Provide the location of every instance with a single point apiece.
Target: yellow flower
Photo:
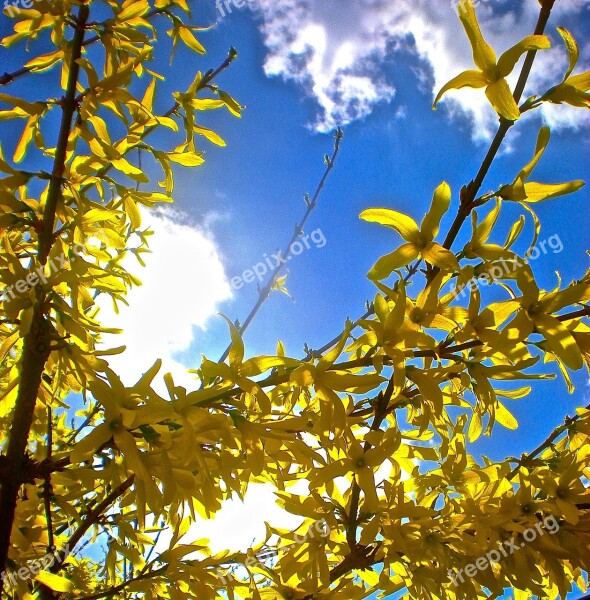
(565, 492)
(536, 314)
(419, 239)
(362, 464)
(574, 89)
(519, 190)
(121, 414)
(492, 72)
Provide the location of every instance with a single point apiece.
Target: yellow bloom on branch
(574, 89)
(536, 315)
(523, 190)
(491, 72)
(419, 239)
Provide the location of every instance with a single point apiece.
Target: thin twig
(48, 490)
(265, 291)
(526, 459)
(89, 520)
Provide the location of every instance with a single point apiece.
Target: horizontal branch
(118, 588)
(8, 78)
(526, 459)
(90, 520)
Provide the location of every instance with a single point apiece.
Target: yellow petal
(440, 204)
(484, 229)
(189, 39)
(560, 340)
(543, 138)
(536, 192)
(571, 295)
(517, 330)
(483, 54)
(475, 427)
(501, 99)
(569, 511)
(236, 353)
(395, 319)
(386, 264)
(342, 381)
(55, 582)
(440, 257)
(580, 82)
(508, 60)
(473, 79)
(570, 94)
(87, 446)
(126, 444)
(366, 482)
(527, 284)
(404, 225)
(505, 417)
(572, 49)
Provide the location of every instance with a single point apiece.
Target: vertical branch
(381, 403)
(37, 342)
(47, 487)
(469, 192)
(54, 193)
(45, 593)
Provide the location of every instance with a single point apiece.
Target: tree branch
(90, 520)
(112, 591)
(37, 342)
(264, 293)
(526, 459)
(8, 78)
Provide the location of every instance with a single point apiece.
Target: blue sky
(373, 67)
(393, 157)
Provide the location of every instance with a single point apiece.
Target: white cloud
(183, 283)
(337, 51)
(239, 525)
